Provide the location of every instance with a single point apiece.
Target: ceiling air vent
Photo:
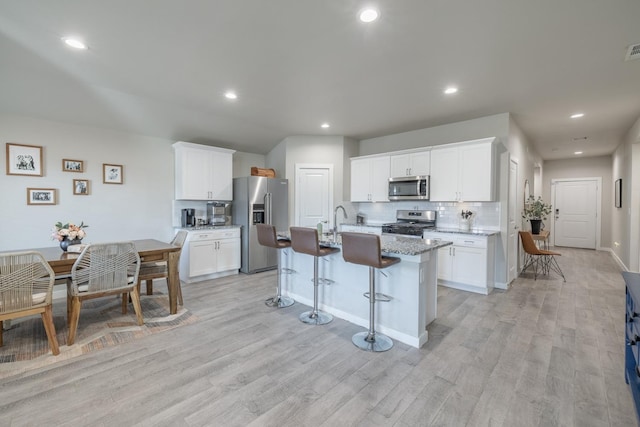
(633, 52)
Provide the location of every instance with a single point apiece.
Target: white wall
(140, 208)
(243, 162)
(484, 127)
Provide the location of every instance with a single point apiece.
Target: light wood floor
(544, 353)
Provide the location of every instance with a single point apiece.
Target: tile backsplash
(486, 215)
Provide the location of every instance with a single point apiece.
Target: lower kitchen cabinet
(209, 254)
(632, 337)
(468, 263)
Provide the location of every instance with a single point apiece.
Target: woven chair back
(26, 281)
(105, 267)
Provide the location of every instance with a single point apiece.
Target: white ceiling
(161, 67)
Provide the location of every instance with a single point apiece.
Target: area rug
(101, 325)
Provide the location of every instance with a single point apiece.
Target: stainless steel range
(411, 223)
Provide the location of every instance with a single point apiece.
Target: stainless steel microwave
(409, 188)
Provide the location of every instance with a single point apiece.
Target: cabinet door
(444, 263)
(476, 172)
(192, 174)
(444, 175)
(202, 258)
(228, 252)
(360, 180)
(399, 165)
(470, 266)
(420, 163)
(379, 179)
(221, 176)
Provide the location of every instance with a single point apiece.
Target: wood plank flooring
(544, 353)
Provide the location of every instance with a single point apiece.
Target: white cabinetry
(210, 253)
(468, 263)
(368, 229)
(370, 179)
(463, 172)
(410, 164)
(203, 172)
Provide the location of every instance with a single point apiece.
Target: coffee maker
(188, 217)
(218, 213)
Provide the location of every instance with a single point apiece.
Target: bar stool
(364, 249)
(267, 237)
(305, 240)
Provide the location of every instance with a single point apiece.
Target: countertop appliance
(218, 213)
(411, 223)
(409, 188)
(259, 200)
(188, 218)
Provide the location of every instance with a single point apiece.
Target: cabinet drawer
(465, 240)
(195, 236)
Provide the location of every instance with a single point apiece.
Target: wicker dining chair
(102, 269)
(159, 270)
(541, 260)
(26, 288)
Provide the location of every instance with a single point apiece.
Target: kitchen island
(412, 285)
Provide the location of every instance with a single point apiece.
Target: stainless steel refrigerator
(259, 200)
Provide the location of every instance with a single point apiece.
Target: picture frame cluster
(27, 160)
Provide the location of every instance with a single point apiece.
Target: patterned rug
(101, 325)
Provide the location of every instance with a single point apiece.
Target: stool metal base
(379, 343)
(279, 302)
(319, 318)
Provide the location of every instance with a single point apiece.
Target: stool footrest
(378, 297)
(323, 281)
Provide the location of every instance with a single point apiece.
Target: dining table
(149, 250)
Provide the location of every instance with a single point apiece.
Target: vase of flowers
(69, 234)
(536, 210)
(465, 220)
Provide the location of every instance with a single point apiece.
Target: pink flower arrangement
(69, 231)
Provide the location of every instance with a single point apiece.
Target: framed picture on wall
(81, 187)
(41, 196)
(69, 165)
(112, 174)
(618, 193)
(24, 159)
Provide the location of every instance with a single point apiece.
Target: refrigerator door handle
(267, 208)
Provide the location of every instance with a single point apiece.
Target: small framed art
(112, 174)
(41, 196)
(81, 187)
(69, 165)
(24, 159)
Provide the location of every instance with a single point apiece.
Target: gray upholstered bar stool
(267, 237)
(305, 240)
(364, 249)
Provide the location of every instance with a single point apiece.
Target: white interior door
(575, 209)
(513, 203)
(314, 195)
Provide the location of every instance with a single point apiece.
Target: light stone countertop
(389, 244)
(208, 227)
(472, 232)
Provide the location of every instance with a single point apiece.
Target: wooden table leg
(172, 281)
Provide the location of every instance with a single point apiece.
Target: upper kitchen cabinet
(463, 172)
(370, 179)
(410, 164)
(203, 172)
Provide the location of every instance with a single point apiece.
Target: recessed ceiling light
(577, 115)
(325, 125)
(230, 95)
(368, 15)
(75, 43)
(451, 90)
(577, 152)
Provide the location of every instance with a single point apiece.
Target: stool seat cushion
(267, 237)
(364, 249)
(305, 240)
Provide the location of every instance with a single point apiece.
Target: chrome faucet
(335, 220)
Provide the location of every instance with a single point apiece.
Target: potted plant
(536, 210)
